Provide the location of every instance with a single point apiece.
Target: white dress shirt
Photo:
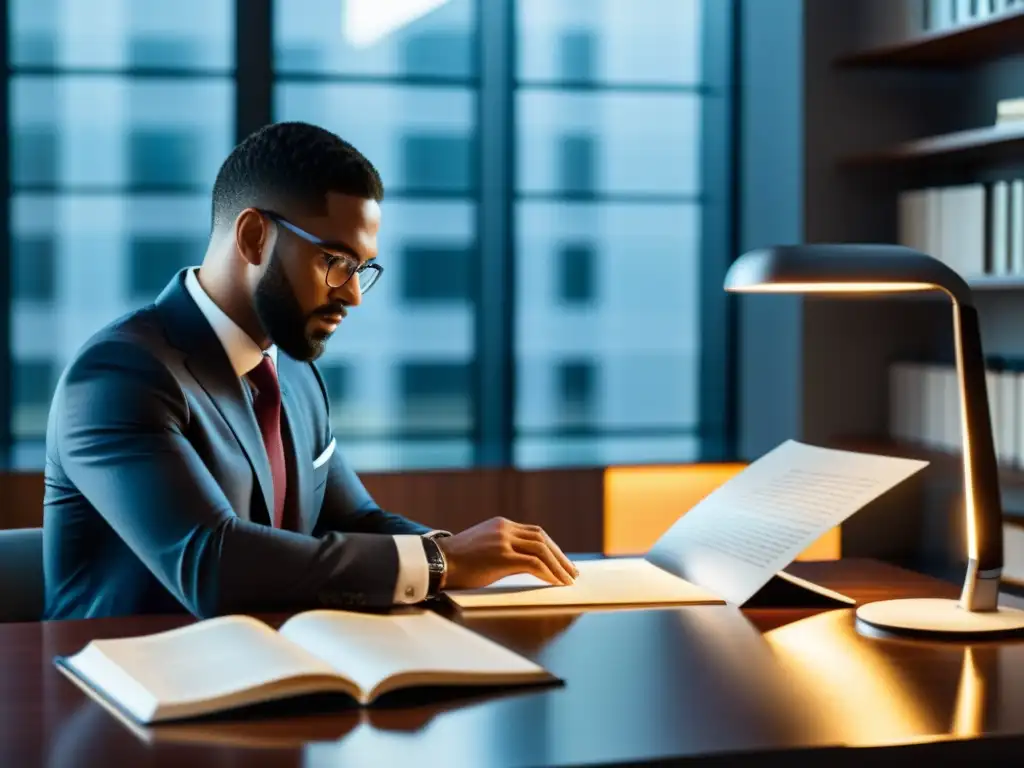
(245, 354)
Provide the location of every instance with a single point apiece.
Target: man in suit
(190, 461)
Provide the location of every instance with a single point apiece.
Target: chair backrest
(21, 575)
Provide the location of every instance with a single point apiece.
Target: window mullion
(495, 369)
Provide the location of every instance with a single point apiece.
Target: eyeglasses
(340, 267)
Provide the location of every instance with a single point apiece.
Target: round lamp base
(934, 617)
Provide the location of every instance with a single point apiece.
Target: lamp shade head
(844, 268)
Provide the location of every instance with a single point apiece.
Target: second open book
(729, 548)
(234, 661)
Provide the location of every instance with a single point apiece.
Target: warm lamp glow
(835, 287)
(865, 694)
(968, 447)
(969, 714)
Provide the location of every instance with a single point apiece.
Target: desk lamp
(855, 270)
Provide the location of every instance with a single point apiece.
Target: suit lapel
(233, 403)
(300, 467)
(208, 362)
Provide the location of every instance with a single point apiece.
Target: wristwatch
(437, 566)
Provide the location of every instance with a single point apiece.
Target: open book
(235, 661)
(729, 548)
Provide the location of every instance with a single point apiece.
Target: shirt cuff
(413, 572)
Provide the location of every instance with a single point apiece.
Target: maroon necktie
(267, 404)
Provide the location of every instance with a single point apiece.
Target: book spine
(1013, 552)
(940, 14)
(924, 407)
(975, 229)
(1009, 416)
(1016, 225)
(999, 232)
(1017, 375)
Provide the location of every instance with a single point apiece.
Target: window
(32, 381)
(609, 360)
(555, 226)
(164, 158)
(111, 169)
(160, 49)
(436, 274)
(338, 379)
(576, 274)
(33, 268)
(407, 101)
(324, 37)
(114, 34)
(31, 387)
(436, 162)
(155, 260)
(439, 52)
(34, 160)
(577, 54)
(576, 396)
(576, 163)
(435, 395)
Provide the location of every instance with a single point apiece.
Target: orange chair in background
(641, 503)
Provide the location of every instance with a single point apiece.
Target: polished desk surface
(666, 685)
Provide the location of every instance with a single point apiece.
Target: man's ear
(254, 236)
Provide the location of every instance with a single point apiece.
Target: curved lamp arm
(858, 269)
(983, 505)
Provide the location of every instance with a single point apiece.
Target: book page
(616, 581)
(757, 522)
(198, 663)
(371, 648)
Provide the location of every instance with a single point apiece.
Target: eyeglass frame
(329, 249)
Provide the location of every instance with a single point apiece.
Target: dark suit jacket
(158, 485)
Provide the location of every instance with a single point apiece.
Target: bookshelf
(884, 120)
(985, 163)
(967, 44)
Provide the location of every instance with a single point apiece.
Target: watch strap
(436, 566)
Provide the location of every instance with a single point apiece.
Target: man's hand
(496, 548)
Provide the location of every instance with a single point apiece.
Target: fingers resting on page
(499, 547)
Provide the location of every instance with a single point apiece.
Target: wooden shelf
(983, 40)
(992, 142)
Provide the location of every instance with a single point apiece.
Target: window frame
(493, 281)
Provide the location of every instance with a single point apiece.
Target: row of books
(924, 407)
(925, 410)
(977, 229)
(944, 14)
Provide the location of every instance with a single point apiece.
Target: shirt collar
(244, 353)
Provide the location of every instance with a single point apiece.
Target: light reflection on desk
(697, 681)
(665, 677)
(874, 690)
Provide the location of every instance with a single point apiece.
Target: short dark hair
(291, 164)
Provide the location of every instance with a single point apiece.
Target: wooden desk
(641, 686)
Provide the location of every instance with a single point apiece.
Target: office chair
(21, 574)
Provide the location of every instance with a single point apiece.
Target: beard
(283, 319)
